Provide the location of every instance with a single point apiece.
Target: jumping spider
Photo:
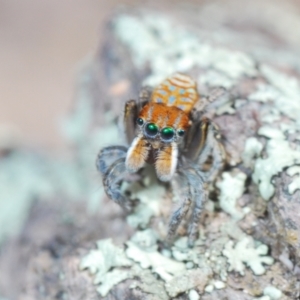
(165, 128)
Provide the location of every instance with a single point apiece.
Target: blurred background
(42, 45)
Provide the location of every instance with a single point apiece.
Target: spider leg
(144, 95)
(127, 120)
(204, 142)
(218, 154)
(197, 141)
(200, 192)
(130, 114)
(191, 184)
(183, 188)
(109, 155)
(112, 182)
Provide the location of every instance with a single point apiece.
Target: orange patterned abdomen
(179, 90)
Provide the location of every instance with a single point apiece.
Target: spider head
(161, 124)
(160, 128)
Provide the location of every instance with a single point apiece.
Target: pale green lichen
(284, 92)
(219, 284)
(253, 148)
(107, 264)
(263, 298)
(226, 109)
(209, 288)
(233, 231)
(150, 194)
(178, 50)
(280, 155)
(142, 248)
(150, 284)
(231, 189)
(193, 295)
(110, 279)
(165, 267)
(181, 251)
(271, 133)
(245, 253)
(190, 279)
(264, 93)
(146, 239)
(273, 292)
(288, 98)
(215, 79)
(100, 261)
(105, 257)
(271, 115)
(295, 184)
(110, 266)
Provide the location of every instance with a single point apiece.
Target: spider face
(163, 132)
(159, 122)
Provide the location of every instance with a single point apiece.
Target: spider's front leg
(112, 180)
(111, 164)
(191, 185)
(108, 156)
(199, 187)
(111, 160)
(179, 185)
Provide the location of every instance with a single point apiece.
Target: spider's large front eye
(151, 130)
(167, 133)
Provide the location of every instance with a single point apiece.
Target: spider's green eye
(167, 133)
(140, 121)
(181, 132)
(151, 130)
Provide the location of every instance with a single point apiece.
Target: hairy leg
(130, 114)
(197, 139)
(112, 180)
(180, 185)
(127, 120)
(203, 143)
(144, 95)
(200, 193)
(109, 155)
(218, 154)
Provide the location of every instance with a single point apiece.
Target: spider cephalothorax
(162, 130)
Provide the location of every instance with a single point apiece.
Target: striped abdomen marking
(178, 90)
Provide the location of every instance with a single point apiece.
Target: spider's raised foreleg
(218, 155)
(112, 180)
(199, 189)
(180, 185)
(107, 156)
(190, 184)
